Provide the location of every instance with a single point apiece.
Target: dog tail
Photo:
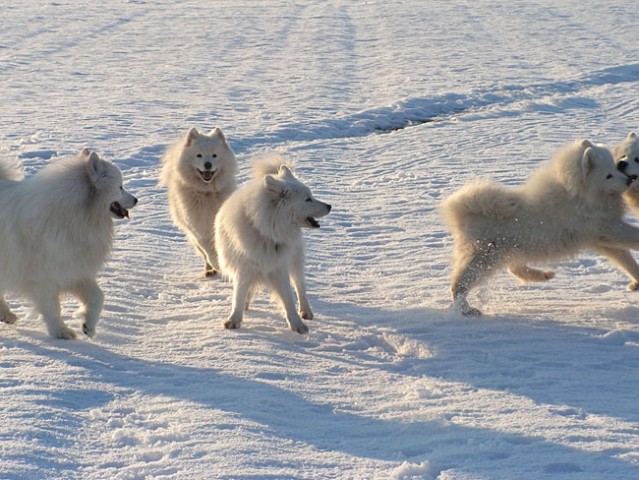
(268, 165)
(484, 198)
(10, 171)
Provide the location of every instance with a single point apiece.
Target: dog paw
(306, 314)
(9, 317)
(471, 312)
(66, 333)
(210, 273)
(89, 332)
(300, 328)
(231, 325)
(633, 286)
(549, 275)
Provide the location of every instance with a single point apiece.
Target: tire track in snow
(418, 111)
(56, 46)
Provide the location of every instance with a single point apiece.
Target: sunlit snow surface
(386, 107)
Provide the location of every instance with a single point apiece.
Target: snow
(386, 108)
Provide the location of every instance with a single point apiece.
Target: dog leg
(209, 269)
(620, 236)
(92, 299)
(469, 272)
(527, 274)
(297, 277)
(623, 260)
(241, 289)
(6, 315)
(280, 285)
(47, 302)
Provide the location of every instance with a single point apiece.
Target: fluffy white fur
(570, 203)
(199, 173)
(56, 232)
(258, 234)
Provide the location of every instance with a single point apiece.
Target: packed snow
(385, 107)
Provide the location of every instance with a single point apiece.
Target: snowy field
(386, 107)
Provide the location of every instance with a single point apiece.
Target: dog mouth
(312, 222)
(206, 175)
(119, 211)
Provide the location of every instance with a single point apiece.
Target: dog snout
(329, 207)
(208, 165)
(622, 166)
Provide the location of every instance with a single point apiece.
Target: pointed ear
(94, 167)
(192, 135)
(217, 133)
(585, 144)
(284, 172)
(632, 136)
(275, 186)
(587, 162)
(85, 152)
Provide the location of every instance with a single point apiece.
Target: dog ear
(275, 186)
(217, 133)
(632, 136)
(85, 152)
(585, 144)
(95, 167)
(285, 172)
(587, 162)
(192, 135)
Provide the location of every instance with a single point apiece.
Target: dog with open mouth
(56, 232)
(199, 172)
(258, 234)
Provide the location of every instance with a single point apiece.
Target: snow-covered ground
(386, 107)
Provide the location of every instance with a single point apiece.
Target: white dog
(199, 173)
(56, 232)
(258, 233)
(571, 203)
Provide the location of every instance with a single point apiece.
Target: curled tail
(485, 198)
(268, 165)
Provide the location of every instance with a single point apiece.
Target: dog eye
(636, 159)
(309, 199)
(609, 176)
(199, 155)
(214, 155)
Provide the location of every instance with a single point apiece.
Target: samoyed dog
(56, 232)
(572, 202)
(258, 234)
(199, 173)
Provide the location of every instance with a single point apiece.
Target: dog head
(106, 183)
(626, 156)
(206, 156)
(294, 199)
(599, 172)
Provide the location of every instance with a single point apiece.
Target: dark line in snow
(418, 111)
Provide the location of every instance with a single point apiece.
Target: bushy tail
(268, 165)
(10, 171)
(485, 198)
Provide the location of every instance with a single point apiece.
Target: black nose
(208, 165)
(622, 166)
(329, 207)
(135, 201)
